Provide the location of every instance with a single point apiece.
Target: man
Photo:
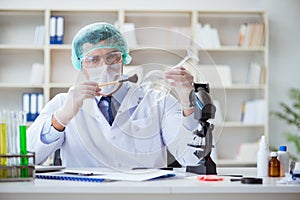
(118, 125)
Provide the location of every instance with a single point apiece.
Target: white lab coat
(145, 125)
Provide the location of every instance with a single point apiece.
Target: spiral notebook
(68, 177)
(96, 176)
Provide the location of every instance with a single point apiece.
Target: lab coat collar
(132, 98)
(120, 94)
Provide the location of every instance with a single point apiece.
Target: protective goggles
(108, 59)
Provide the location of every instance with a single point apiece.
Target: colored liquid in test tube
(3, 146)
(23, 144)
(3, 143)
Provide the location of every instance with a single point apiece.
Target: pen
(235, 179)
(80, 173)
(232, 175)
(248, 180)
(163, 168)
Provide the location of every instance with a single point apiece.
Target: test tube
(23, 146)
(3, 142)
(12, 142)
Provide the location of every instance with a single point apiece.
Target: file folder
(59, 30)
(56, 30)
(32, 105)
(26, 103)
(52, 30)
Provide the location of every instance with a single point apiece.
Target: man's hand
(76, 95)
(182, 80)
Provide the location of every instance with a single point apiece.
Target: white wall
(284, 61)
(284, 16)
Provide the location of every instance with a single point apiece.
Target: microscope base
(205, 166)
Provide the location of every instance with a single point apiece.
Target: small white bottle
(263, 158)
(283, 157)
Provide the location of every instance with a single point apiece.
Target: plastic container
(263, 158)
(274, 165)
(283, 157)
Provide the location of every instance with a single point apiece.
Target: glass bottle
(274, 165)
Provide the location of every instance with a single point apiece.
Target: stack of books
(39, 35)
(215, 75)
(254, 112)
(256, 74)
(207, 37)
(251, 35)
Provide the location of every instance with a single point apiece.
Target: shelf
(238, 124)
(20, 47)
(60, 47)
(234, 12)
(222, 48)
(234, 163)
(60, 85)
(241, 87)
(233, 48)
(19, 85)
(161, 47)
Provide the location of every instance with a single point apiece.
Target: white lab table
(179, 187)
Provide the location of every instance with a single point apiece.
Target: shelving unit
(233, 131)
(156, 31)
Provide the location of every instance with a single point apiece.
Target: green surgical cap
(109, 36)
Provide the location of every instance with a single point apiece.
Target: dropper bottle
(274, 165)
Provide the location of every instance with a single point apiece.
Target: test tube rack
(17, 172)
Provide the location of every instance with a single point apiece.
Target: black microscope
(204, 110)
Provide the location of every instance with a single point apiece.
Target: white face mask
(105, 74)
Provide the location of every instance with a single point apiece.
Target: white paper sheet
(139, 175)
